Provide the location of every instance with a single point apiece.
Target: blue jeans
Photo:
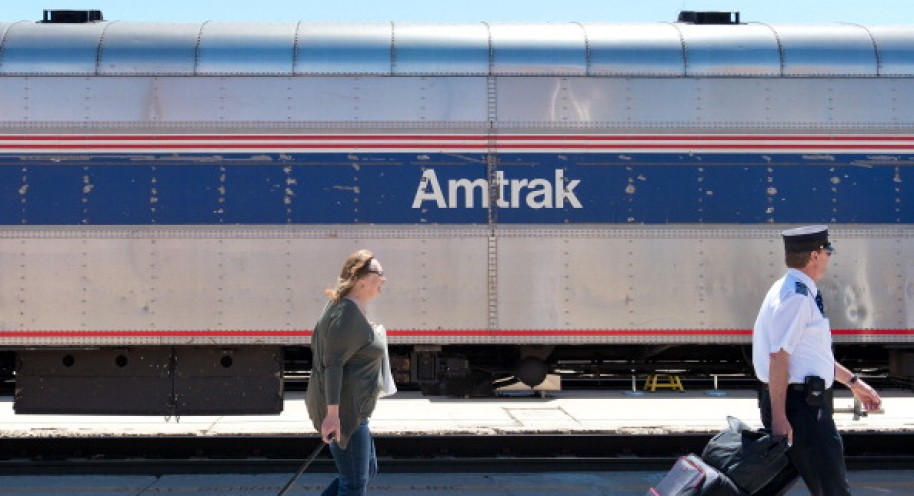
(357, 464)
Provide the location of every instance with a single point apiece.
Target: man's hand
(780, 427)
(866, 395)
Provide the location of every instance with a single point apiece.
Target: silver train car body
(174, 198)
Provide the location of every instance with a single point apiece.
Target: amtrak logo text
(512, 193)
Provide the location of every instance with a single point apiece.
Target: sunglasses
(380, 273)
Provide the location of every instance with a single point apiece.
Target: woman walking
(348, 352)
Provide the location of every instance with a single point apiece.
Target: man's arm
(777, 391)
(861, 390)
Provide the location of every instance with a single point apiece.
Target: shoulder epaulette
(801, 288)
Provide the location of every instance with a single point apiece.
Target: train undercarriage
(205, 380)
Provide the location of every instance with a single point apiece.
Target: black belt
(790, 387)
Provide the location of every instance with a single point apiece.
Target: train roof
(121, 48)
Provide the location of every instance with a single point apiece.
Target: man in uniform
(792, 355)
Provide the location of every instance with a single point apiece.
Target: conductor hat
(807, 238)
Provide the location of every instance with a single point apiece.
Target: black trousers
(817, 451)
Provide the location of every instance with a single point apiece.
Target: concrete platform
(868, 483)
(410, 413)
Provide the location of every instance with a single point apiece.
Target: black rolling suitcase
(755, 462)
(738, 461)
(690, 476)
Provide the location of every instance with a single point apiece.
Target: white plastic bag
(388, 386)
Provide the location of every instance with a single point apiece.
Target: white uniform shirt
(790, 320)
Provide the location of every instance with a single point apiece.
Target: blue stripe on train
(381, 188)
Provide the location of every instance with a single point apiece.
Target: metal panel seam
(197, 47)
(875, 48)
(777, 38)
(491, 48)
(491, 173)
(682, 47)
(3, 41)
(393, 51)
(587, 50)
(99, 50)
(295, 48)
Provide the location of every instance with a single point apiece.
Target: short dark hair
(797, 259)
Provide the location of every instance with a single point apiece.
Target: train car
(174, 198)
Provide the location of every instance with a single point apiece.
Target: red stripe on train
(461, 146)
(451, 137)
(430, 333)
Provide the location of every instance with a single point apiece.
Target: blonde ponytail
(353, 268)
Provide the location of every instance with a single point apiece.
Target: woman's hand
(330, 427)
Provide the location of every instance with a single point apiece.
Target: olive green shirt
(346, 367)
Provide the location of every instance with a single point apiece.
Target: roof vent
(72, 16)
(693, 17)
